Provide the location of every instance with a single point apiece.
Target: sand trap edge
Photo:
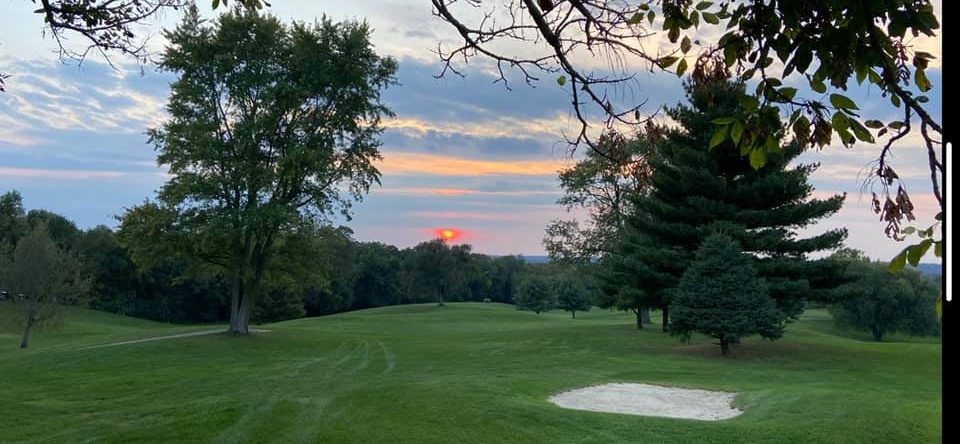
(650, 400)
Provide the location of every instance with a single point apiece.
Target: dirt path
(161, 338)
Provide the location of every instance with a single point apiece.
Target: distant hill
(536, 259)
(931, 269)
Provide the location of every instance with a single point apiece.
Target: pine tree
(698, 190)
(721, 296)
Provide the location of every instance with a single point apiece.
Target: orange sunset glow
(448, 234)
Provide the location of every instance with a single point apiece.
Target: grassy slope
(467, 373)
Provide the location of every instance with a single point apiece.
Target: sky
(462, 153)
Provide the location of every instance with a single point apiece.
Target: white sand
(650, 400)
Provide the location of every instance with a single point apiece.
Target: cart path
(162, 338)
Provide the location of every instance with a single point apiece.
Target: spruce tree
(698, 190)
(721, 296)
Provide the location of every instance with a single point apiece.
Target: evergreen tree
(698, 190)
(721, 296)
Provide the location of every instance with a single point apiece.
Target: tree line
(320, 271)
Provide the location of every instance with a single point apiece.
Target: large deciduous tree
(698, 190)
(270, 125)
(40, 277)
(720, 295)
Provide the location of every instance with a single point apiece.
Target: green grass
(466, 373)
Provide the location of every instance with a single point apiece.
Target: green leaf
(916, 252)
(681, 67)
(818, 86)
(749, 102)
(840, 121)
(788, 92)
(635, 19)
(938, 248)
(940, 306)
(920, 78)
(736, 131)
(861, 76)
(651, 16)
(861, 131)
(896, 125)
(898, 262)
(685, 45)
(216, 4)
(908, 230)
(719, 136)
(703, 5)
(758, 158)
(874, 124)
(665, 62)
(562, 80)
(843, 102)
(723, 120)
(710, 18)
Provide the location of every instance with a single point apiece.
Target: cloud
(454, 192)
(429, 164)
(42, 173)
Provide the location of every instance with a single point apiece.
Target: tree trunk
(636, 312)
(724, 346)
(877, 334)
(442, 291)
(235, 295)
(665, 323)
(645, 315)
(574, 313)
(26, 331)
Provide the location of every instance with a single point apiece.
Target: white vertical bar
(948, 220)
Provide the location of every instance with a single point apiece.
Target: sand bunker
(650, 400)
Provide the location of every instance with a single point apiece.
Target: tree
(12, 221)
(829, 43)
(720, 295)
(600, 183)
(535, 293)
(432, 268)
(270, 126)
(40, 277)
(698, 190)
(115, 278)
(376, 275)
(881, 302)
(508, 271)
(572, 294)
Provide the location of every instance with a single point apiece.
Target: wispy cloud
(431, 164)
(421, 191)
(42, 173)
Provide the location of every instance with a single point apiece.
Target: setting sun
(447, 234)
